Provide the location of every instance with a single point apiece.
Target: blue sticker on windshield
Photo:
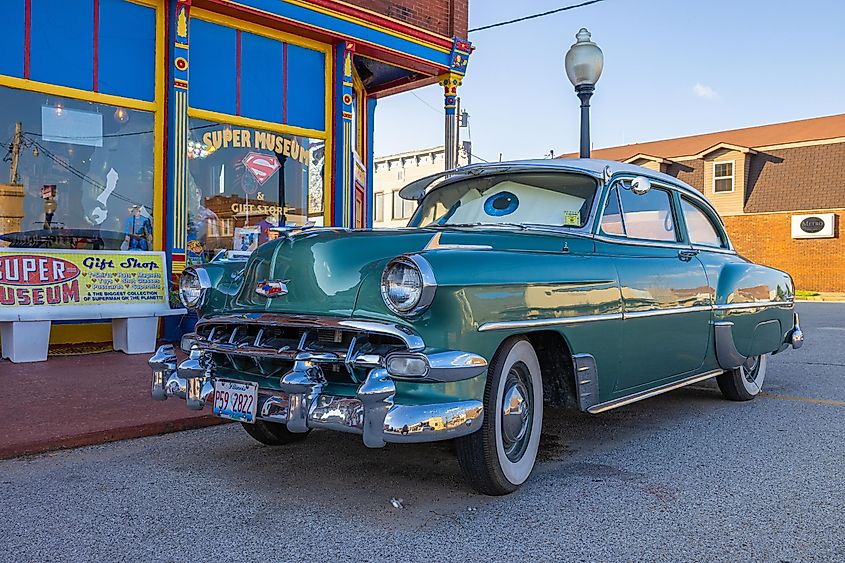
(502, 203)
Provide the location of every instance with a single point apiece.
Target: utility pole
(16, 154)
(11, 194)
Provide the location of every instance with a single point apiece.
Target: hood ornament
(272, 288)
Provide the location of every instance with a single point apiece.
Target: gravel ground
(682, 477)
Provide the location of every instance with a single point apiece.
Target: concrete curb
(109, 435)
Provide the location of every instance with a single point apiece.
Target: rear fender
(762, 326)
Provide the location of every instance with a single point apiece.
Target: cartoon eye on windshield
(502, 203)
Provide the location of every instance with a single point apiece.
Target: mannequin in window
(138, 231)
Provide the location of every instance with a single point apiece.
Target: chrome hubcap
(517, 412)
(751, 368)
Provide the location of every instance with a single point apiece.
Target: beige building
(394, 171)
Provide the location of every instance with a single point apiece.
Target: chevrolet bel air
(579, 283)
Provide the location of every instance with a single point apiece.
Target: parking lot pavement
(684, 476)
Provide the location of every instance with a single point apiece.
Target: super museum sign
(68, 277)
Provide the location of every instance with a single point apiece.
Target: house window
(723, 177)
(402, 208)
(378, 205)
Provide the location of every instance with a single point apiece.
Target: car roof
(593, 166)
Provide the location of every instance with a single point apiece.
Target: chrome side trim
(606, 406)
(534, 323)
(726, 353)
(641, 242)
(661, 312)
(755, 305)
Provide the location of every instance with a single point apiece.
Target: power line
(533, 16)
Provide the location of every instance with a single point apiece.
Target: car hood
(323, 269)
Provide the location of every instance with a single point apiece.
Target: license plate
(235, 400)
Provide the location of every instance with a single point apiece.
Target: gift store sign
(62, 278)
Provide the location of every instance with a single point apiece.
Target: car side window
(611, 220)
(649, 216)
(700, 227)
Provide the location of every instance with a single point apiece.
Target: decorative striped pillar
(178, 135)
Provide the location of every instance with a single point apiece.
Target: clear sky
(671, 68)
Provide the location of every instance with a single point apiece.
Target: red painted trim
(284, 83)
(333, 160)
(27, 37)
(96, 79)
(238, 65)
(384, 21)
(366, 15)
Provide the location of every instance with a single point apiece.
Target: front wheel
(745, 382)
(272, 433)
(500, 456)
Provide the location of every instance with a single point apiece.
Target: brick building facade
(763, 181)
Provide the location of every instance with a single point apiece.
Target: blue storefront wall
(264, 75)
(243, 74)
(109, 50)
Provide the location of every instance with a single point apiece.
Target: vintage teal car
(582, 283)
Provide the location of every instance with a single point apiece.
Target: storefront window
(244, 183)
(83, 174)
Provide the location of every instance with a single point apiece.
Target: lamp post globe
(584, 62)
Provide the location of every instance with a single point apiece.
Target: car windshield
(556, 199)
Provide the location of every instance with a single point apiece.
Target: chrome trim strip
(661, 312)
(756, 305)
(532, 323)
(606, 406)
(641, 242)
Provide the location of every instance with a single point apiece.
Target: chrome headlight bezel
(193, 286)
(427, 289)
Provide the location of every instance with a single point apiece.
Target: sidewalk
(824, 296)
(71, 401)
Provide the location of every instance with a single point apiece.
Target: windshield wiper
(472, 225)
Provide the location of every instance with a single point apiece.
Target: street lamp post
(584, 62)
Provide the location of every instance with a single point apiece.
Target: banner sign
(62, 278)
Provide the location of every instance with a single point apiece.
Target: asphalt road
(686, 476)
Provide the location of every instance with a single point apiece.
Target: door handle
(687, 255)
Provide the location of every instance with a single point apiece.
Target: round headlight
(408, 285)
(192, 286)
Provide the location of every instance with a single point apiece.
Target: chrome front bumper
(301, 404)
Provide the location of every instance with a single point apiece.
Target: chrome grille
(268, 346)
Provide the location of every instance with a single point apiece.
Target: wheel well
(556, 368)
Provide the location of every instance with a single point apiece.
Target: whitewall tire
(745, 382)
(500, 456)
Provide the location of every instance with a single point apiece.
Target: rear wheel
(745, 382)
(500, 456)
(272, 433)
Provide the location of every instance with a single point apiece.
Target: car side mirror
(640, 185)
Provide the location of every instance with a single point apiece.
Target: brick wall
(766, 238)
(445, 17)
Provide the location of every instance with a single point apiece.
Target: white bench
(25, 329)
(25, 337)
